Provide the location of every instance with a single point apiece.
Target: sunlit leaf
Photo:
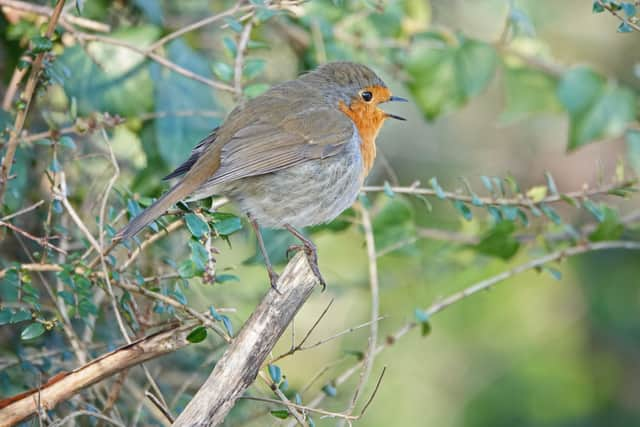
(443, 78)
(32, 331)
(597, 108)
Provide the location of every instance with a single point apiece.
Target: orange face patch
(368, 119)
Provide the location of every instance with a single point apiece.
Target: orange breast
(368, 120)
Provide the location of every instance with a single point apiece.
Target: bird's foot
(311, 252)
(273, 278)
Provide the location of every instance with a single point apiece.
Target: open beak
(396, 99)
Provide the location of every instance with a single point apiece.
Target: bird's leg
(273, 276)
(310, 251)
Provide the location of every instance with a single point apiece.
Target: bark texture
(239, 366)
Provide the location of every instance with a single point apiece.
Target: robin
(292, 157)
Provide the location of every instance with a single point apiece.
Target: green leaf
(40, 44)
(629, 9)
(175, 135)
(330, 390)
(610, 228)
(528, 92)
(226, 223)
(594, 209)
(624, 27)
(233, 24)
(20, 316)
(499, 241)
(223, 71)
(214, 313)
(32, 331)
(597, 7)
(425, 329)
(196, 225)
(227, 324)
(253, 68)
(5, 316)
(597, 108)
(443, 78)
(100, 83)
(436, 187)
(198, 334)
(275, 373)
(251, 91)
(632, 139)
(550, 213)
(463, 209)
(387, 189)
(283, 414)
(67, 141)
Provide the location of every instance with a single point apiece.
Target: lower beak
(396, 99)
(393, 116)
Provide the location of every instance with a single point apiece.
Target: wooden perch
(239, 366)
(64, 385)
(232, 375)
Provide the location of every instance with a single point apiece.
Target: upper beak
(396, 99)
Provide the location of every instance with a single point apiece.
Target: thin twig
(199, 24)
(39, 240)
(241, 49)
(22, 211)
(26, 97)
(375, 306)
(477, 287)
(611, 10)
(154, 57)
(79, 21)
(520, 200)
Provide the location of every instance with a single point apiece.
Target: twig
(344, 416)
(39, 240)
(480, 286)
(66, 384)
(154, 57)
(611, 10)
(283, 399)
(203, 22)
(22, 211)
(240, 364)
(297, 347)
(162, 407)
(239, 61)
(82, 412)
(26, 97)
(520, 200)
(375, 306)
(79, 21)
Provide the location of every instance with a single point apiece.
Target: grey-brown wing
(263, 147)
(196, 152)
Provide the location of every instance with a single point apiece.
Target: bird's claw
(312, 257)
(273, 278)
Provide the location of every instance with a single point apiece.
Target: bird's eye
(366, 96)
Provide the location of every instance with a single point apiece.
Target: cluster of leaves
(447, 70)
(629, 9)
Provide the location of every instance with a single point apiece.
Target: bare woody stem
(62, 386)
(27, 96)
(239, 366)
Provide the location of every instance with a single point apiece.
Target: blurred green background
(534, 351)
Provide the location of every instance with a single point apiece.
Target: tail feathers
(160, 206)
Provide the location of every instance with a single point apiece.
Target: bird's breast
(368, 122)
